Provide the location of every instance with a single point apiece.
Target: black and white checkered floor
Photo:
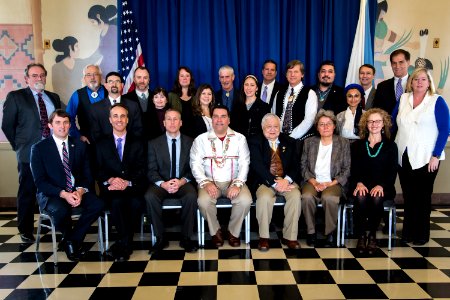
(406, 272)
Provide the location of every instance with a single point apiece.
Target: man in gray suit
(25, 122)
(171, 177)
(366, 76)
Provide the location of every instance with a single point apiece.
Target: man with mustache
(330, 96)
(25, 122)
(141, 95)
(100, 125)
(80, 103)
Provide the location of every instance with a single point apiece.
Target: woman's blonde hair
(415, 73)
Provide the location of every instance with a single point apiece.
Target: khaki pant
(240, 207)
(329, 198)
(265, 199)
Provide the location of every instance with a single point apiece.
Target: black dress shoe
(71, 250)
(189, 245)
(27, 237)
(420, 242)
(311, 239)
(161, 243)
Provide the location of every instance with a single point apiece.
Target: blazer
(370, 98)
(145, 118)
(340, 159)
(261, 154)
(218, 96)
(385, 96)
(22, 122)
(159, 159)
(197, 127)
(48, 171)
(248, 122)
(336, 100)
(131, 168)
(276, 87)
(101, 126)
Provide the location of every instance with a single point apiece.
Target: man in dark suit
(227, 94)
(390, 90)
(330, 96)
(100, 125)
(171, 177)
(142, 95)
(269, 87)
(121, 168)
(366, 76)
(274, 162)
(25, 122)
(61, 172)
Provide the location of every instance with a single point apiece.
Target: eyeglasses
(376, 122)
(91, 75)
(37, 76)
(325, 124)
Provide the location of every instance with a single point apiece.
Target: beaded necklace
(220, 162)
(368, 150)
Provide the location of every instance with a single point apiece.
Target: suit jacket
(276, 87)
(159, 159)
(219, 93)
(48, 171)
(145, 118)
(131, 168)
(340, 159)
(370, 98)
(335, 101)
(21, 121)
(101, 127)
(248, 122)
(261, 154)
(385, 96)
(197, 127)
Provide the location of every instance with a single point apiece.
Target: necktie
(398, 89)
(274, 146)
(119, 147)
(143, 101)
(173, 171)
(287, 121)
(44, 117)
(69, 186)
(114, 101)
(264, 94)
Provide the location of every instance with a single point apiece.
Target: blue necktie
(398, 89)
(119, 147)
(264, 94)
(69, 185)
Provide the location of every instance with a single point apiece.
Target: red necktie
(44, 117)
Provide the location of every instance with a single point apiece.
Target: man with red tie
(25, 122)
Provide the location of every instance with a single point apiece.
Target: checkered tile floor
(407, 272)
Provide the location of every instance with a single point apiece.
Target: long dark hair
(64, 46)
(106, 14)
(177, 89)
(196, 106)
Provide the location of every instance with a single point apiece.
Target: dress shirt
(310, 111)
(112, 100)
(48, 103)
(270, 87)
(404, 82)
(60, 148)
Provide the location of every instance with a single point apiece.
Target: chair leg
(100, 236)
(338, 240)
(390, 229)
(344, 221)
(106, 232)
(153, 234)
(202, 228)
(55, 247)
(199, 229)
(142, 227)
(247, 228)
(38, 236)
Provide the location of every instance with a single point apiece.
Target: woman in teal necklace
(373, 174)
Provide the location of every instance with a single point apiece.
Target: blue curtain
(206, 34)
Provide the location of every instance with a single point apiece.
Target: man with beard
(80, 103)
(25, 122)
(100, 125)
(140, 95)
(330, 96)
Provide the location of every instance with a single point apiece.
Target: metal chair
(388, 205)
(76, 212)
(221, 203)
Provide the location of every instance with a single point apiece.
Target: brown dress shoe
(263, 244)
(217, 239)
(290, 244)
(361, 244)
(372, 245)
(233, 241)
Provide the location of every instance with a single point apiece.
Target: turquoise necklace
(378, 151)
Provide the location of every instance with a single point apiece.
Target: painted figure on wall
(67, 72)
(105, 18)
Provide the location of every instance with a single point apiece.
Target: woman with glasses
(374, 169)
(325, 167)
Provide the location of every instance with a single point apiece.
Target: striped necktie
(69, 185)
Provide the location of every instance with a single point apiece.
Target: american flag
(130, 47)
